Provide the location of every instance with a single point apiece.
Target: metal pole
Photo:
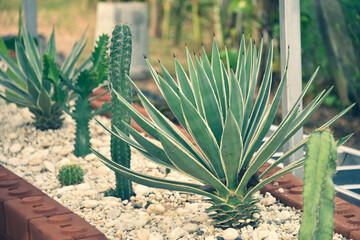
(30, 16)
(290, 37)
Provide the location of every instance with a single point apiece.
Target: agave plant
(228, 122)
(33, 80)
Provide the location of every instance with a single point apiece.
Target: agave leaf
(285, 156)
(231, 150)
(252, 86)
(266, 151)
(236, 101)
(216, 66)
(342, 113)
(12, 85)
(51, 46)
(187, 163)
(209, 73)
(25, 65)
(184, 82)
(143, 122)
(154, 181)
(151, 148)
(172, 100)
(248, 66)
(44, 102)
(32, 53)
(19, 100)
(241, 56)
(157, 158)
(287, 169)
(21, 78)
(213, 115)
(262, 99)
(195, 83)
(203, 136)
(162, 121)
(69, 64)
(168, 79)
(344, 139)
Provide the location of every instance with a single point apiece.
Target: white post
(290, 37)
(30, 16)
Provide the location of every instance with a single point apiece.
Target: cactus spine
(319, 191)
(120, 59)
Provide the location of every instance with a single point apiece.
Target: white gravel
(152, 214)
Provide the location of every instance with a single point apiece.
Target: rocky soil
(151, 214)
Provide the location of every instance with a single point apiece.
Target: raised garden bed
(153, 213)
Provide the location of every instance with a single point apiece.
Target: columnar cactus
(120, 59)
(319, 191)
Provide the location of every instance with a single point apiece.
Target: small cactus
(319, 191)
(120, 60)
(70, 174)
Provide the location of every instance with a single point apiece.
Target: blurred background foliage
(330, 36)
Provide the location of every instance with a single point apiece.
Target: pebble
(177, 233)
(16, 147)
(152, 214)
(230, 234)
(90, 203)
(49, 166)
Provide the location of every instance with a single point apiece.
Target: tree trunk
(155, 18)
(166, 19)
(196, 22)
(339, 48)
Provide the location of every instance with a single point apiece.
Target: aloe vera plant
(216, 106)
(33, 80)
(319, 190)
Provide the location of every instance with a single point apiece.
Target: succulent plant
(93, 74)
(70, 174)
(33, 80)
(319, 190)
(228, 122)
(120, 59)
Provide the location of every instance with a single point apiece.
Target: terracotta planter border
(287, 189)
(26, 213)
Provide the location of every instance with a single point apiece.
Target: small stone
(90, 157)
(155, 236)
(281, 190)
(101, 171)
(125, 225)
(83, 187)
(272, 236)
(268, 200)
(177, 233)
(114, 213)
(16, 147)
(64, 161)
(49, 166)
(143, 234)
(110, 224)
(141, 190)
(191, 227)
(202, 217)
(158, 209)
(199, 233)
(90, 203)
(230, 234)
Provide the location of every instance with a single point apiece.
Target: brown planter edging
(288, 188)
(23, 207)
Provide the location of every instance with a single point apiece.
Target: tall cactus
(120, 59)
(319, 191)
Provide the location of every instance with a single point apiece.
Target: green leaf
(210, 104)
(216, 66)
(44, 102)
(51, 46)
(203, 136)
(32, 53)
(154, 181)
(231, 150)
(236, 101)
(195, 83)
(26, 66)
(188, 164)
(50, 71)
(184, 82)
